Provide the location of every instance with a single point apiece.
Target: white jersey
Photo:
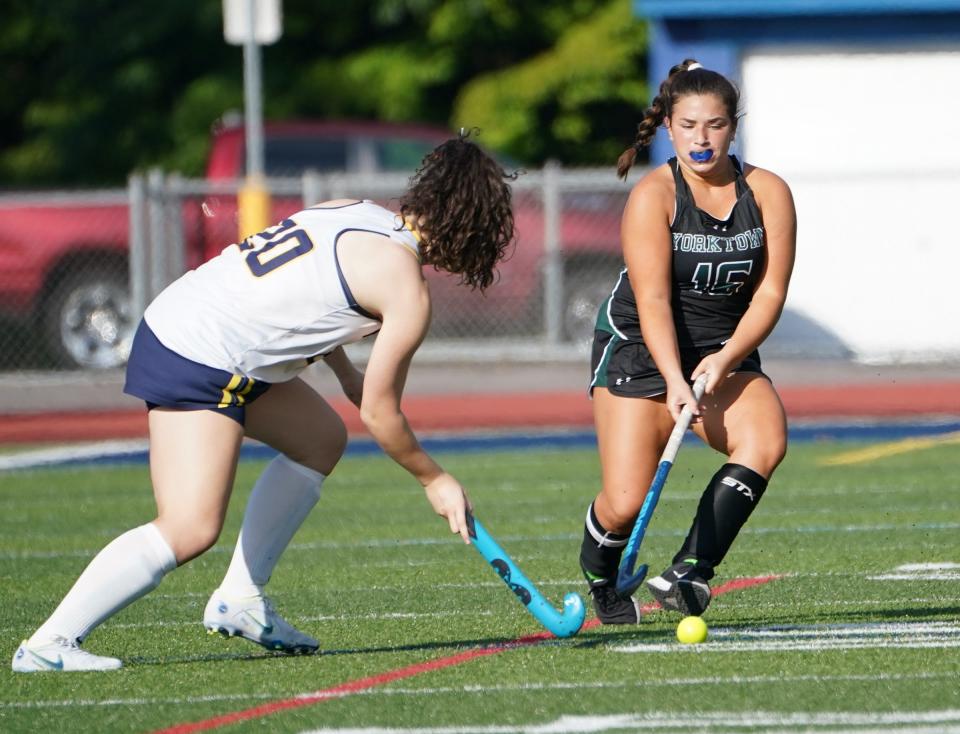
(269, 306)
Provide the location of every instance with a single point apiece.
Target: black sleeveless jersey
(716, 265)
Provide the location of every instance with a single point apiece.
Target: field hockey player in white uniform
(217, 358)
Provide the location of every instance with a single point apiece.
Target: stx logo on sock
(740, 487)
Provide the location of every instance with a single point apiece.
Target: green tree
(97, 88)
(578, 102)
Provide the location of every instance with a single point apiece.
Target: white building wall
(869, 142)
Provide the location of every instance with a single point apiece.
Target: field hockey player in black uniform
(709, 245)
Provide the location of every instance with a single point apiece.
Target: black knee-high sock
(601, 550)
(724, 507)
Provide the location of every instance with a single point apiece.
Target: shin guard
(725, 505)
(601, 550)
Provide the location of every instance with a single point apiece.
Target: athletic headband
(695, 65)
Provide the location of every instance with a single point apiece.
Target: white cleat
(59, 654)
(255, 619)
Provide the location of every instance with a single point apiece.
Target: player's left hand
(716, 366)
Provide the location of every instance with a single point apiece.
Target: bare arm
(780, 224)
(405, 319)
(387, 280)
(351, 379)
(648, 253)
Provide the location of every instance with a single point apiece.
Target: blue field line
(114, 453)
(578, 439)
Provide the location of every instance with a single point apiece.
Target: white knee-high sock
(127, 568)
(281, 500)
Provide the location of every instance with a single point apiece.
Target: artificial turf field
(860, 631)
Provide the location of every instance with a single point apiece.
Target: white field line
(859, 574)
(392, 588)
(939, 722)
(374, 616)
(730, 603)
(850, 629)
(928, 566)
(118, 450)
(922, 572)
(315, 546)
(461, 613)
(122, 448)
(779, 646)
(482, 690)
(815, 638)
(831, 491)
(901, 527)
(712, 721)
(40, 458)
(16, 555)
(827, 603)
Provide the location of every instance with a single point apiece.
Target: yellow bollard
(253, 207)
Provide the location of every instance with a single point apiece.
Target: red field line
(373, 681)
(486, 411)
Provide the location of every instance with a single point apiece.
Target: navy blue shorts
(162, 377)
(626, 367)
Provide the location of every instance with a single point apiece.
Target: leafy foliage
(96, 88)
(576, 102)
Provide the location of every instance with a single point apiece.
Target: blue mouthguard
(701, 157)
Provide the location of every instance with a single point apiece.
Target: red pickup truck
(64, 258)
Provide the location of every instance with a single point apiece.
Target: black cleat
(610, 606)
(681, 588)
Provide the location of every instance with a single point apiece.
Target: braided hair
(686, 78)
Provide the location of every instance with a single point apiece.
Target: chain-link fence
(77, 270)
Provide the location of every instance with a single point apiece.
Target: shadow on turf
(586, 639)
(426, 646)
(208, 658)
(649, 630)
(265, 654)
(596, 636)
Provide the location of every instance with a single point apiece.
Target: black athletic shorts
(161, 377)
(626, 368)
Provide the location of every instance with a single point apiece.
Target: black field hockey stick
(562, 624)
(627, 580)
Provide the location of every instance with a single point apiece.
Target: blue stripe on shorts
(162, 377)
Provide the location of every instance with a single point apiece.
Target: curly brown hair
(680, 82)
(461, 196)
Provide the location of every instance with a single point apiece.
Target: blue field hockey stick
(562, 624)
(627, 580)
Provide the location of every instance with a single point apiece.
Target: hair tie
(695, 65)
